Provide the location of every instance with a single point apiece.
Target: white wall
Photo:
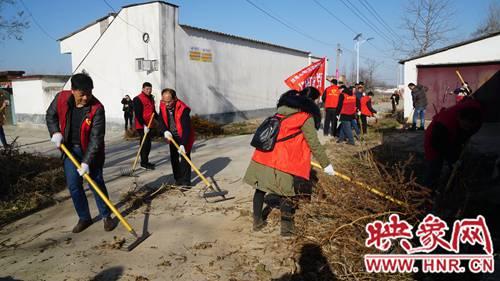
(485, 50)
(28, 96)
(242, 75)
(111, 64)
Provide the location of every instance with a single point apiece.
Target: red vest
(332, 97)
(62, 112)
(292, 156)
(349, 105)
(449, 118)
(364, 107)
(148, 109)
(179, 109)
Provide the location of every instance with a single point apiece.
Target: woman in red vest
(366, 110)
(331, 100)
(144, 109)
(76, 118)
(277, 171)
(175, 123)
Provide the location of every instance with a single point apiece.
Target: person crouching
(275, 171)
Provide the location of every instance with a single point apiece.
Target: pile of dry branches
(339, 210)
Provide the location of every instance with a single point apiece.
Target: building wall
(485, 50)
(32, 97)
(242, 76)
(111, 63)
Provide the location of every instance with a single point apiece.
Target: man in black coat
(76, 118)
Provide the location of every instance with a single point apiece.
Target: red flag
(312, 75)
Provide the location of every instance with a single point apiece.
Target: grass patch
(28, 183)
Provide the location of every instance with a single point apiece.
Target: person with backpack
(276, 169)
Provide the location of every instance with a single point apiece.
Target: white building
(32, 96)
(477, 60)
(220, 76)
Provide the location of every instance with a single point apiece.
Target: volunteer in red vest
(446, 136)
(348, 106)
(366, 110)
(331, 99)
(175, 123)
(76, 118)
(144, 108)
(276, 171)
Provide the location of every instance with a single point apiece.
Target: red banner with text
(313, 75)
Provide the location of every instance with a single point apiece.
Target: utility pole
(339, 53)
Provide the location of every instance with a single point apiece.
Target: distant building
(477, 60)
(221, 76)
(32, 95)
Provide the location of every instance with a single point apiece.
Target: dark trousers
(330, 122)
(287, 207)
(393, 107)
(364, 123)
(146, 147)
(2, 137)
(181, 168)
(75, 186)
(128, 119)
(346, 131)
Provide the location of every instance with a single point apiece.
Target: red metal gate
(441, 80)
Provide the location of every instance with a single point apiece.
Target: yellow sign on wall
(203, 55)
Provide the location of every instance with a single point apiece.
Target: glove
(146, 129)
(329, 170)
(182, 150)
(84, 169)
(359, 113)
(167, 135)
(57, 138)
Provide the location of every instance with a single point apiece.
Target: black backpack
(266, 135)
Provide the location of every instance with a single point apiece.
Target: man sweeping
(175, 123)
(76, 118)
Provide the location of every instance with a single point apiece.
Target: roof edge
(452, 46)
(243, 38)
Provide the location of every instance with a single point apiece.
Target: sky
(306, 25)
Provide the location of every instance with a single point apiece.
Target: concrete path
(191, 239)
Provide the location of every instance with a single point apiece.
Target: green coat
(277, 182)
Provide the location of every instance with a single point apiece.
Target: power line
(358, 14)
(36, 22)
(287, 25)
(117, 14)
(380, 19)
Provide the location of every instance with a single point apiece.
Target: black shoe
(413, 128)
(287, 227)
(81, 225)
(258, 225)
(148, 166)
(421, 129)
(109, 224)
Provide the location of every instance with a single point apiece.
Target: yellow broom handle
(365, 186)
(98, 190)
(460, 76)
(191, 163)
(142, 142)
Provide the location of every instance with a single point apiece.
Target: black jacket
(305, 104)
(185, 123)
(94, 155)
(419, 96)
(128, 106)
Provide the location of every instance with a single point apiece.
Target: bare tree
(367, 72)
(428, 23)
(492, 22)
(11, 26)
